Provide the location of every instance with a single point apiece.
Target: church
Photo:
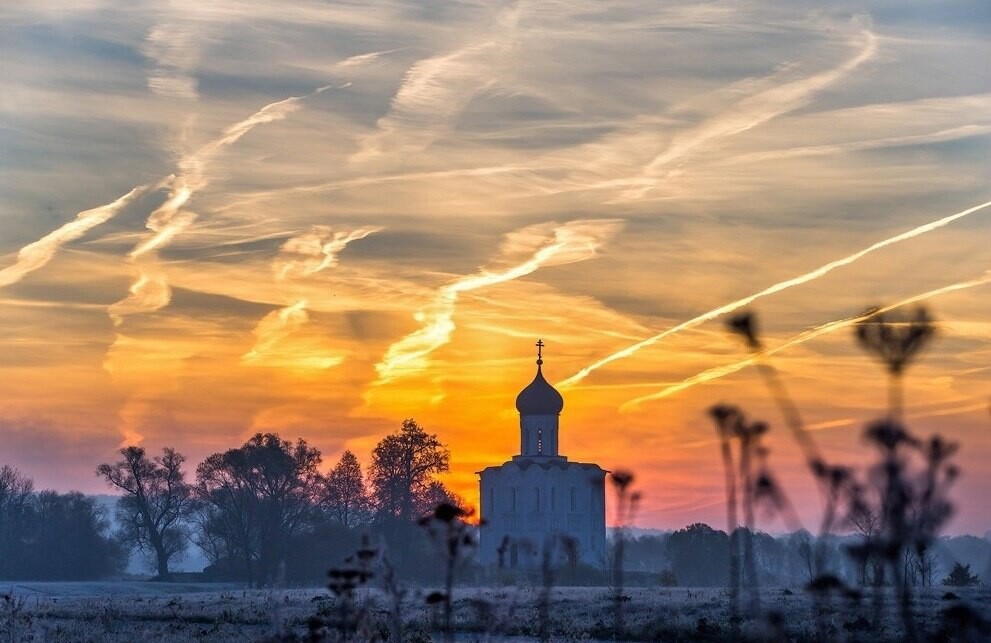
(539, 493)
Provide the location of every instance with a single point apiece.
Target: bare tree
(345, 497)
(866, 520)
(157, 499)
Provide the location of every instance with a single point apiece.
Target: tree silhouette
(344, 495)
(402, 467)
(16, 509)
(156, 501)
(960, 576)
(259, 496)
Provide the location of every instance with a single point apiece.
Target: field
(133, 611)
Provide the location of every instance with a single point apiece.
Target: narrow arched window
(574, 499)
(512, 500)
(536, 498)
(553, 498)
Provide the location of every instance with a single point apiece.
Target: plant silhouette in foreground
(898, 505)
(455, 541)
(627, 502)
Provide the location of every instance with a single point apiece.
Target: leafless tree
(155, 504)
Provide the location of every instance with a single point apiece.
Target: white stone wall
(529, 503)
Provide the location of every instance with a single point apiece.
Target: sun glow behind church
(350, 215)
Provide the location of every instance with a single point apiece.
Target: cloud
(315, 250)
(759, 108)
(34, 443)
(436, 90)
(546, 245)
(301, 256)
(170, 218)
(35, 255)
(606, 164)
(174, 47)
(770, 290)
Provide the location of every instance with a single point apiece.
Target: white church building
(540, 494)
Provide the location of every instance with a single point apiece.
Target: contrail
(301, 256)
(274, 327)
(35, 255)
(569, 243)
(812, 333)
(170, 218)
(316, 250)
(436, 90)
(770, 290)
(748, 113)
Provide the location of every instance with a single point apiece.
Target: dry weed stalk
(909, 507)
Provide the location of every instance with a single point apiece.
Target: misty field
(216, 612)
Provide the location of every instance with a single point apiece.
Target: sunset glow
(323, 218)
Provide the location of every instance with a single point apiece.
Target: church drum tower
(540, 494)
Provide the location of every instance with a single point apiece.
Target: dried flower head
(745, 325)
(895, 339)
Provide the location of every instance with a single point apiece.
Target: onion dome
(539, 397)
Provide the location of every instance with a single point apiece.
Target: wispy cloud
(770, 290)
(272, 349)
(301, 256)
(315, 250)
(35, 255)
(546, 246)
(436, 90)
(363, 59)
(808, 335)
(756, 110)
(174, 47)
(172, 218)
(606, 163)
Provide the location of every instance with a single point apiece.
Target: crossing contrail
(770, 290)
(171, 218)
(801, 338)
(568, 243)
(301, 256)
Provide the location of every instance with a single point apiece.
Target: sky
(321, 218)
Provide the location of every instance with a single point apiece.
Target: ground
(142, 611)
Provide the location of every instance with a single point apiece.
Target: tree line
(696, 556)
(45, 535)
(262, 512)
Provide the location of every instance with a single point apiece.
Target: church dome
(539, 397)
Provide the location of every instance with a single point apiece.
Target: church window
(574, 499)
(553, 498)
(512, 500)
(536, 498)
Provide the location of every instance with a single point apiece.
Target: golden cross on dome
(540, 348)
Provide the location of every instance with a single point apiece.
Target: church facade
(539, 495)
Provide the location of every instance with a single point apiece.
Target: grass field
(141, 611)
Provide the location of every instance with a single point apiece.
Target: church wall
(531, 504)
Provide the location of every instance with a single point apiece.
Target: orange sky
(324, 219)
